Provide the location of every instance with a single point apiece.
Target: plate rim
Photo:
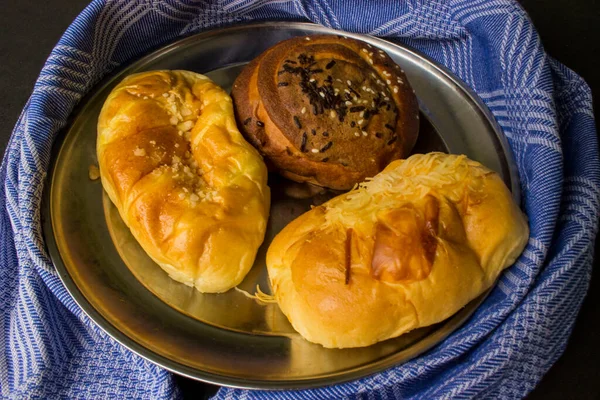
(451, 324)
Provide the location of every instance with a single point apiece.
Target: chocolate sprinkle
(325, 159)
(354, 91)
(389, 127)
(260, 123)
(326, 147)
(326, 134)
(304, 59)
(247, 120)
(314, 132)
(323, 98)
(378, 135)
(297, 122)
(321, 95)
(392, 140)
(303, 144)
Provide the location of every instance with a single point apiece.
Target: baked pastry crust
(326, 110)
(404, 250)
(192, 191)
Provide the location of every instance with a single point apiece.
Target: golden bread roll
(404, 250)
(326, 110)
(193, 192)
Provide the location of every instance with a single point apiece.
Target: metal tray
(229, 339)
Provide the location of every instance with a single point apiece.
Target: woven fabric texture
(50, 349)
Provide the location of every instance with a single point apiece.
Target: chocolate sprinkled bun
(326, 110)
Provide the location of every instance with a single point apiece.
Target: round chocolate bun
(327, 110)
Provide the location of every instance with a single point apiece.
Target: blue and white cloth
(50, 349)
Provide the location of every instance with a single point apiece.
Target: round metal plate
(229, 339)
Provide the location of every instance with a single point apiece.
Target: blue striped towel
(50, 349)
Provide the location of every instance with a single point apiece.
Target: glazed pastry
(191, 189)
(326, 110)
(404, 250)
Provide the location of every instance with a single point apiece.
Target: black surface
(570, 32)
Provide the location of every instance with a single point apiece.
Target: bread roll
(326, 110)
(191, 189)
(404, 250)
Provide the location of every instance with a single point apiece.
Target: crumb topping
(182, 167)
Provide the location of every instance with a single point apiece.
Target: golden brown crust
(404, 250)
(328, 110)
(187, 184)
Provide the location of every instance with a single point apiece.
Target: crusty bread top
(404, 250)
(327, 110)
(191, 189)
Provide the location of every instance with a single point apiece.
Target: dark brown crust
(288, 136)
(244, 109)
(348, 256)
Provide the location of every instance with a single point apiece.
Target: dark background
(570, 31)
